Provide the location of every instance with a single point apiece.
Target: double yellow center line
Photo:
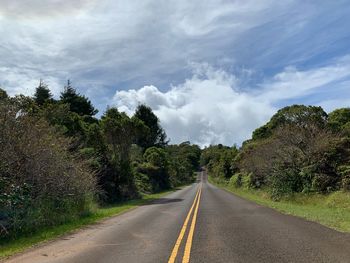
(195, 206)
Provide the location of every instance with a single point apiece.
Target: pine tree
(77, 103)
(42, 93)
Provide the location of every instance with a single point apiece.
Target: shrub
(241, 180)
(284, 181)
(344, 171)
(324, 183)
(41, 183)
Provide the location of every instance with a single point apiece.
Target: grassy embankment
(11, 247)
(332, 210)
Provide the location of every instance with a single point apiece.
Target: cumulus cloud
(207, 108)
(210, 107)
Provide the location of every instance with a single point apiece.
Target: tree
(219, 160)
(3, 94)
(120, 132)
(299, 115)
(156, 136)
(77, 103)
(156, 168)
(59, 116)
(339, 120)
(42, 93)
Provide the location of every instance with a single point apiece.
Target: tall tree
(42, 93)
(77, 103)
(120, 132)
(156, 136)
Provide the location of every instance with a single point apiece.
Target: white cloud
(293, 83)
(24, 81)
(206, 109)
(210, 107)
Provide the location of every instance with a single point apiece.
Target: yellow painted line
(187, 254)
(182, 232)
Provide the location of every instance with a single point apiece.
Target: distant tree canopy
(155, 136)
(299, 115)
(77, 103)
(42, 93)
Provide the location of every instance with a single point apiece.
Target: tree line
(301, 149)
(57, 160)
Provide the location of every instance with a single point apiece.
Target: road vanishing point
(199, 223)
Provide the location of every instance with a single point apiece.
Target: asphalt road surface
(199, 223)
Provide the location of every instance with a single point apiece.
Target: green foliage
(171, 166)
(3, 94)
(77, 103)
(41, 182)
(155, 135)
(56, 159)
(298, 115)
(300, 149)
(241, 180)
(42, 94)
(65, 121)
(220, 160)
(183, 162)
(262, 132)
(120, 132)
(339, 120)
(284, 181)
(344, 171)
(167, 167)
(156, 168)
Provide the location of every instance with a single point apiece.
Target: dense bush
(300, 149)
(184, 160)
(41, 183)
(241, 180)
(156, 169)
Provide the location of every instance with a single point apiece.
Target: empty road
(200, 223)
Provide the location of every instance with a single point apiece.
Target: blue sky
(213, 70)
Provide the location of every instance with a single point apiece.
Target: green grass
(11, 247)
(332, 210)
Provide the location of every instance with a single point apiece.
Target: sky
(212, 70)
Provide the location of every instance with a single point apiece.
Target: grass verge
(331, 210)
(11, 247)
